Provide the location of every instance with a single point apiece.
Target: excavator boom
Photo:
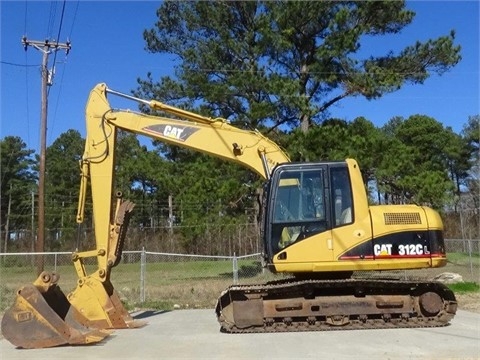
(212, 136)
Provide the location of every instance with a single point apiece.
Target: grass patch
(156, 305)
(6, 293)
(463, 258)
(464, 287)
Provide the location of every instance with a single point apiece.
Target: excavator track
(317, 305)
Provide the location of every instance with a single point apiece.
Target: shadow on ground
(145, 314)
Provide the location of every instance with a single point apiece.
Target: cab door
(351, 223)
(298, 226)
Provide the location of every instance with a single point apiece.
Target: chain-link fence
(166, 280)
(142, 278)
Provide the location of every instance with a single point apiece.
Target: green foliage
(16, 168)
(61, 188)
(279, 63)
(210, 192)
(337, 139)
(18, 181)
(413, 160)
(418, 162)
(471, 134)
(464, 287)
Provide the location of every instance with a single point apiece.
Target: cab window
(299, 206)
(342, 204)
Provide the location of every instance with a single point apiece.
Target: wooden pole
(46, 47)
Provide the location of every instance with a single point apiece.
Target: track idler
(42, 317)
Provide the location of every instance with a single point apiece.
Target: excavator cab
(304, 200)
(317, 220)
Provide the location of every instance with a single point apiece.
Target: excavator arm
(94, 304)
(186, 129)
(189, 130)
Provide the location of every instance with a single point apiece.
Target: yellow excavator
(316, 226)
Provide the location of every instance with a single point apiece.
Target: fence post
(142, 275)
(470, 257)
(55, 263)
(235, 269)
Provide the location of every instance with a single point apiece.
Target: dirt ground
(469, 302)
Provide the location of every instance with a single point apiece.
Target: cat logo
(173, 132)
(178, 133)
(382, 249)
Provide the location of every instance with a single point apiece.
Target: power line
(74, 18)
(58, 37)
(54, 63)
(25, 18)
(26, 73)
(51, 19)
(27, 101)
(19, 65)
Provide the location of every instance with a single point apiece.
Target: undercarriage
(312, 305)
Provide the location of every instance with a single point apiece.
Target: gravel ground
(469, 302)
(194, 334)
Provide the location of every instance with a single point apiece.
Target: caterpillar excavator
(316, 226)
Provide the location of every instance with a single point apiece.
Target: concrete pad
(194, 334)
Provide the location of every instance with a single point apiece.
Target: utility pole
(33, 227)
(47, 48)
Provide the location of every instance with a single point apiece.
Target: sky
(108, 46)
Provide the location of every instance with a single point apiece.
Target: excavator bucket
(100, 306)
(42, 317)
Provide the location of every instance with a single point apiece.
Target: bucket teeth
(41, 317)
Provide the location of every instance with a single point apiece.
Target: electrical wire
(74, 18)
(51, 18)
(53, 66)
(58, 37)
(25, 18)
(59, 31)
(26, 75)
(19, 65)
(27, 102)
